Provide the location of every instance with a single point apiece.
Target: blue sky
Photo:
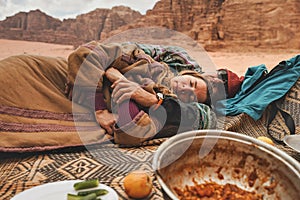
(64, 9)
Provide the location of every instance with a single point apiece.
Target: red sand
(237, 62)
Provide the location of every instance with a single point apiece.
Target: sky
(64, 9)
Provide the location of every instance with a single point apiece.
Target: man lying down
(139, 91)
(134, 91)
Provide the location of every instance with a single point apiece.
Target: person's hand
(125, 90)
(106, 120)
(113, 74)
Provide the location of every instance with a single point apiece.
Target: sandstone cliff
(37, 26)
(33, 20)
(98, 23)
(261, 23)
(238, 25)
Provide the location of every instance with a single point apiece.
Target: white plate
(59, 191)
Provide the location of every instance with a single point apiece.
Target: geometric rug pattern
(107, 162)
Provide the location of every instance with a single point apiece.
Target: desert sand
(236, 61)
(17, 47)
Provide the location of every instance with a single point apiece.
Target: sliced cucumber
(86, 184)
(91, 196)
(98, 192)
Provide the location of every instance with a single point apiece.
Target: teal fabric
(175, 57)
(261, 88)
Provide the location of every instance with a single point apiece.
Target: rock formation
(32, 21)
(98, 23)
(261, 23)
(238, 25)
(37, 26)
(216, 24)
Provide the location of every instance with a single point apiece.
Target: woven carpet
(110, 163)
(107, 162)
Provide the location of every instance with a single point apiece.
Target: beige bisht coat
(87, 65)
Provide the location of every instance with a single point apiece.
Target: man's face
(189, 88)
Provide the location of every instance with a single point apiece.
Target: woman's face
(189, 88)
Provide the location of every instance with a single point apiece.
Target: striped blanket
(35, 115)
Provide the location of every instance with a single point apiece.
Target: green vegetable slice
(86, 184)
(98, 192)
(91, 196)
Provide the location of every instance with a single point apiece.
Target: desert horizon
(235, 61)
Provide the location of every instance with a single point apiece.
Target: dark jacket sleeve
(187, 116)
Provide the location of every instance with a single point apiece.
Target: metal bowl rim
(292, 163)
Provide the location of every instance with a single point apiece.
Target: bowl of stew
(216, 164)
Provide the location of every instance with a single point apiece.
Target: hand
(106, 120)
(125, 90)
(113, 74)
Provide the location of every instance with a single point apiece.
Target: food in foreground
(265, 139)
(213, 191)
(87, 194)
(91, 196)
(138, 184)
(86, 184)
(98, 192)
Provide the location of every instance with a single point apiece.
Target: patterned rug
(107, 162)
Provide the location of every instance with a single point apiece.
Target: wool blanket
(35, 114)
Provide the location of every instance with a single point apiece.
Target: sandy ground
(17, 47)
(237, 62)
